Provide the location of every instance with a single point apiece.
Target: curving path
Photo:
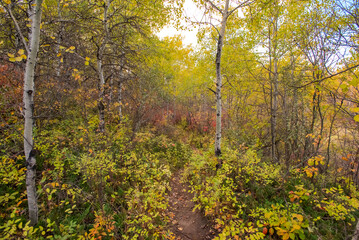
(186, 224)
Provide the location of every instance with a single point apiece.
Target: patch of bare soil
(186, 224)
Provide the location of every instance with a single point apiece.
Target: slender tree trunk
(217, 144)
(28, 95)
(321, 123)
(59, 40)
(294, 116)
(275, 110)
(101, 105)
(287, 148)
(120, 100)
(110, 97)
(120, 83)
(295, 126)
(308, 147)
(274, 80)
(331, 130)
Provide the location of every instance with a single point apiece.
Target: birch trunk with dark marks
(217, 144)
(28, 98)
(100, 104)
(221, 35)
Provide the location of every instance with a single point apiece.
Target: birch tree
(224, 10)
(117, 32)
(28, 110)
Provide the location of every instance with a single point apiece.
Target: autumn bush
(91, 185)
(249, 198)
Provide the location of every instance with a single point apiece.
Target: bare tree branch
(214, 6)
(209, 24)
(210, 89)
(330, 76)
(243, 4)
(8, 9)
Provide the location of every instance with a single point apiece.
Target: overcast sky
(196, 15)
(189, 37)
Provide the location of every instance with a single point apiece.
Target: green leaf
(310, 162)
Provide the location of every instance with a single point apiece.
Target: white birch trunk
(218, 137)
(28, 98)
(101, 106)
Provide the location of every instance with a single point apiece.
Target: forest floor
(186, 223)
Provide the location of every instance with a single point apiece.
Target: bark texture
(218, 137)
(28, 95)
(100, 104)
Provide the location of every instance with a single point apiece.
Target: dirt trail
(186, 224)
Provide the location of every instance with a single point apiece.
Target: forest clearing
(108, 131)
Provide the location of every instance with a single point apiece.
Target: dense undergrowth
(115, 186)
(249, 198)
(90, 185)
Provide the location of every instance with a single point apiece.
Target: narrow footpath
(186, 224)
